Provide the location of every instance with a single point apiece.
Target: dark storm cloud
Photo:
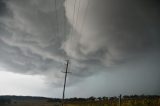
(17, 61)
(116, 30)
(2, 7)
(35, 38)
(29, 41)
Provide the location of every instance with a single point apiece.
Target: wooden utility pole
(120, 99)
(66, 72)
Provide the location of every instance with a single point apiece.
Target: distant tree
(92, 98)
(113, 98)
(105, 98)
(100, 98)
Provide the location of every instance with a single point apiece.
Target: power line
(71, 32)
(72, 19)
(78, 12)
(64, 18)
(74, 10)
(84, 17)
(57, 31)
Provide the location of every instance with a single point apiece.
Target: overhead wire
(75, 18)
(74, 12)
(84, 17)
(73, 22)
(65, 24)
(64, 18)
(74, 9)
(57, 29)
(78, 12)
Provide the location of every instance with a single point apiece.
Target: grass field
(129, 102)
(87, 102)
(101, 103)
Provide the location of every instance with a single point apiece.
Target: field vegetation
(92, 101)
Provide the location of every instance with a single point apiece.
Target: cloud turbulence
(36, 36)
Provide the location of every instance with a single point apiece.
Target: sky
(113, 47)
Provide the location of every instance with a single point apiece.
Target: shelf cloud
(36, 36)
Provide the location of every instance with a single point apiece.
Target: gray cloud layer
(35, 37)
(115, 30)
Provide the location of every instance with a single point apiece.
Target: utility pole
(120, 99)
(66, 72)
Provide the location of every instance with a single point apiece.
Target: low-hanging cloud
(30, 38)
(37, 35)
(113, 30)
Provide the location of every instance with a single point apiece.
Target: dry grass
(133, 102)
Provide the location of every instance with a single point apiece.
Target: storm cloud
(36, 36)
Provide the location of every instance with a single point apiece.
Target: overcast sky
(113, 47)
